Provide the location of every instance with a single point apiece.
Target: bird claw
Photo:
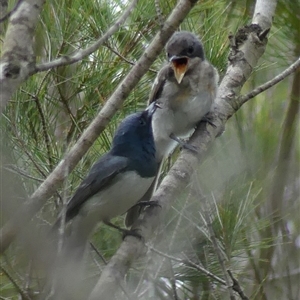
(190, 147)
(184, 144)
(151, 203)
(209, 119)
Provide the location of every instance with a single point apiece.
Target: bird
(116, 181)
(185, 89)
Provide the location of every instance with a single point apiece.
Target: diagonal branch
(72, 157)
(82, 53)
(243, 58)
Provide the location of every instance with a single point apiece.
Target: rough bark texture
(246, 48)
(49, 186)
(18, 55)
(3, 11)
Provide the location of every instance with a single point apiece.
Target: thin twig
(173, 280)
(236, 286)
(81, 53)
(16, 170)
(98, 253)
(44, 129)
(14, 283)
(124, 58)
(24, 147)
(190, 263)
(292, 68)
(218, 251)
(219, 254)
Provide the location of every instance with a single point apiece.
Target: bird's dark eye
(142, 122)
(190, 50)
(169, 55)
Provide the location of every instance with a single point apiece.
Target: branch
(236, 286)
(18, 53)
(125, 59)
(288, 71)
(49, 186)
(242, 60)
(82, 53)
(4, 4)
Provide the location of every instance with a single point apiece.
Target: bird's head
(135, 133)
(182, 48)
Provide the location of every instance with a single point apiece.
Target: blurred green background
(250, 177)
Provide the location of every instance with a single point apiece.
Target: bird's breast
(126, 189)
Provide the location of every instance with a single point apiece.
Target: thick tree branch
(249, 46)
(18, 54)
(48, 187)
(82, 53)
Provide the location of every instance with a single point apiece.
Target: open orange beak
(179, 65)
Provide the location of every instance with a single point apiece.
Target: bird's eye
(142, 122)
(169, 55)
(190, 50)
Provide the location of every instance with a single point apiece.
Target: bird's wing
(159, 83)
(133, 213)
(99, 177)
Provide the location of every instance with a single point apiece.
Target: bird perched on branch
(117, 180)
(185, 89)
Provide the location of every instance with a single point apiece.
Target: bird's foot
(143, 204)
(131, 232)
(209, 118)
(183, 143)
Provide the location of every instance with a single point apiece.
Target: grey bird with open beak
(185, 89)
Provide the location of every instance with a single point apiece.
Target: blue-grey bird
(117, 180)
(185, 89)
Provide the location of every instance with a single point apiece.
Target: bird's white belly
(127, 189)
(163, 124)
(179, 120)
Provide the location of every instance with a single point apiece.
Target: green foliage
(50, 111)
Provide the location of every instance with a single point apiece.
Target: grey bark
(18, 55)
(49, 186)
(245, 54)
